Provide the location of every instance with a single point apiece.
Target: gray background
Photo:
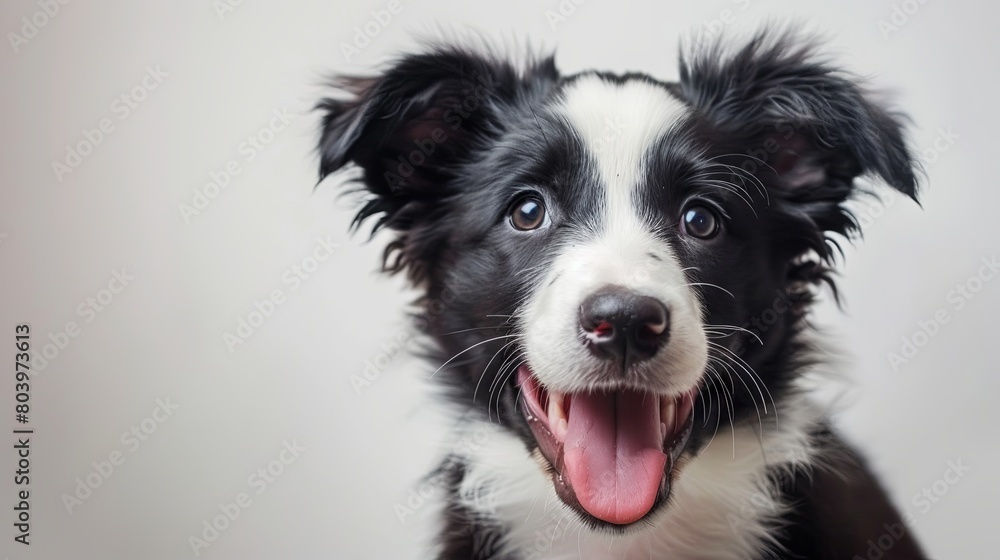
(162, 336)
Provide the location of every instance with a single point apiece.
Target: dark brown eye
(700, 222)
(527, 214)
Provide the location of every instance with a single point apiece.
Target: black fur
(447, 140)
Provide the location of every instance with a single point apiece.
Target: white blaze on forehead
(619, 123)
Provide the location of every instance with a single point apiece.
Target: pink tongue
(613, 455)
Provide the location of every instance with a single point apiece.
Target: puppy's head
(601, 254)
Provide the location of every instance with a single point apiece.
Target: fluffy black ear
(792, 115)
(410, 129)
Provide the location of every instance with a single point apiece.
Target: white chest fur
(722, 505)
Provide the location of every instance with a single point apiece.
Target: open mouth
(613, 451)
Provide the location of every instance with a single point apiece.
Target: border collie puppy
(616, 274)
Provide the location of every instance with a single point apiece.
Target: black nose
(624, 326)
